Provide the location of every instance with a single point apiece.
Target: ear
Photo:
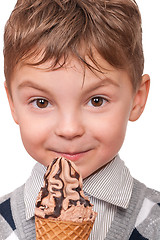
(11, 103)
(140, 98)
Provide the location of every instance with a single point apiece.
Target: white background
(141, 147)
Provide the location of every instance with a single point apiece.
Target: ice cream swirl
(62, 192)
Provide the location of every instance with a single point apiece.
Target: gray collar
(113, 183)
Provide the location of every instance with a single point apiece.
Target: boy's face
(61, 113)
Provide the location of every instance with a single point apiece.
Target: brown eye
(41, 103)
(97, 101)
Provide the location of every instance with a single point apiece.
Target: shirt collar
(32, 188)
(112, 183)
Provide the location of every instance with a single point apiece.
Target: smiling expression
(66, 113)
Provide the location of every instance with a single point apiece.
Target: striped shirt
(107, 189)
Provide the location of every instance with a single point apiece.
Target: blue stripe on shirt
(137, 236)
(5, 211)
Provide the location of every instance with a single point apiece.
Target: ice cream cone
(48, 229)
(62, 211)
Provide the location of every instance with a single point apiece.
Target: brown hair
(57, 28)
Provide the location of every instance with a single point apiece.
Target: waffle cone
(48, 229)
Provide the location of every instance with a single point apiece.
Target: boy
(74, 79)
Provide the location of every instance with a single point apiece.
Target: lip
(73, 156)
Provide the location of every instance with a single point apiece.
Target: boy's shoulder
(5, 209)
(13, 222)
(153, 194)
(9, 214)
(5, 197)
(148, 219)
(7, 224)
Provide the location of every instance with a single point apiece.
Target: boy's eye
(97, 101)
(40, 103)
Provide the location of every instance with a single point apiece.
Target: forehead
(103, 74)
(94, 63)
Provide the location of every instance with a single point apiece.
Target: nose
(69, 126)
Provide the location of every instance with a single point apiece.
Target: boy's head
(74, 77)
(56, 29)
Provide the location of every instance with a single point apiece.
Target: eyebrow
(104, 82)
(29, 84)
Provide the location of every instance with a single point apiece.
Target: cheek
(110, 131)
(33, 134)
